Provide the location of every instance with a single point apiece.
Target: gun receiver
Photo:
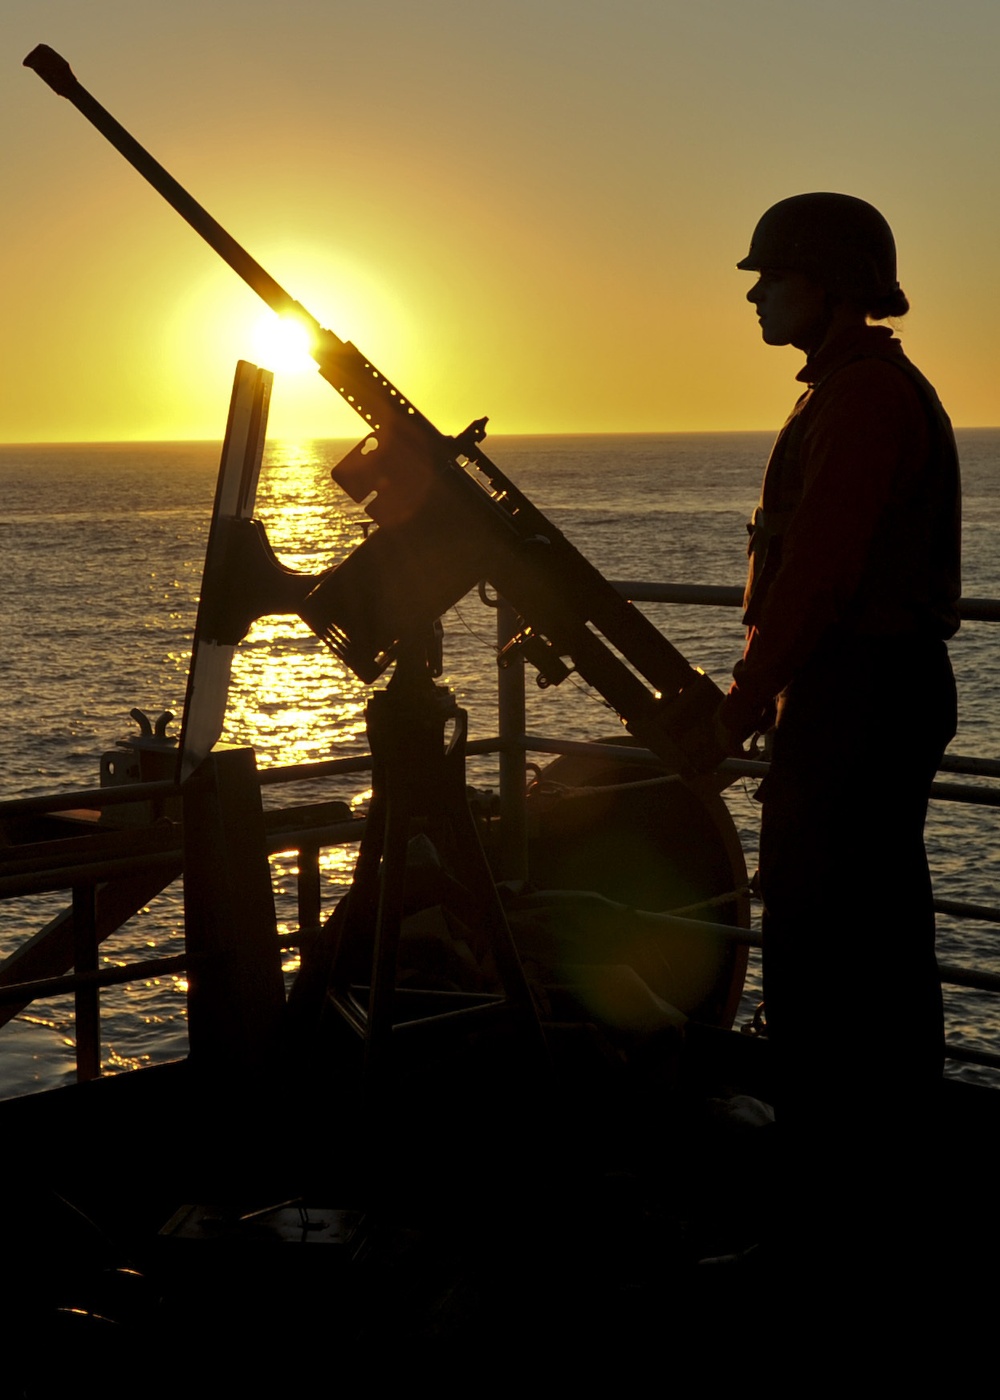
(447, 517)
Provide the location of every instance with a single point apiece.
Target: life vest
(926, 527)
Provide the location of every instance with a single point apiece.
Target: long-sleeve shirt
(862, 492)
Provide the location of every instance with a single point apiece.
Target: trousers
(851, 988)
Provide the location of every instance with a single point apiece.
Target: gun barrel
(53, 69)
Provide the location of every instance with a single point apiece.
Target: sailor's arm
(867, 431)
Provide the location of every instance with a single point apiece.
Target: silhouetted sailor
(852, 592)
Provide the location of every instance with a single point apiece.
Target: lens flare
(282, 344)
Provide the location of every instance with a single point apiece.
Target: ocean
(103, 547)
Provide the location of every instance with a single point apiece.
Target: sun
(282, 344)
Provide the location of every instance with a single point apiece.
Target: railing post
(513, 846)
(308, 887)
(87, 999)
(235, 987)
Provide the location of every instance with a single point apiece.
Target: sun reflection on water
(290, 697)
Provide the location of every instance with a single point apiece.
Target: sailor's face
(791, 307)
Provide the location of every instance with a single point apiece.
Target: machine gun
(447, 518)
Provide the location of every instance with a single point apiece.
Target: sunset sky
(526, 210)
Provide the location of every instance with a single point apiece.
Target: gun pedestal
(418, 785)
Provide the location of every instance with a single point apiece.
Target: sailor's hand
(740, 719)
(710, 741)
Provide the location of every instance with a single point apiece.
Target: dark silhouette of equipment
(417, 735)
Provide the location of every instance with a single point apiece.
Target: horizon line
(344, 437)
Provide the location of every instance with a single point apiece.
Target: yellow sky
(529, 209)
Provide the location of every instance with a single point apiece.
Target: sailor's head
(817, 254)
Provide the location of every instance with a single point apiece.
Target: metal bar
(87, 997)
(96, 798)
(60, 877)
(49, 951)
(307, 772)
(954, 976)
(36, 857)
(970, 795)
(757, 768)
(356, 1016)
(496, 1010)
(310, 772)
(333, 834)
(541, 743)
(964, 1054)
(726, 596)
(960, 909)
(704, 594)
(972, 767)
(41, 987)
(308, 886)
(979, 609)
(83, 872)
(85, 797)
(511, 719)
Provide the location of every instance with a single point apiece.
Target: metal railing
(38, 969)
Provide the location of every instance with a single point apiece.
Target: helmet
(836, 239)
